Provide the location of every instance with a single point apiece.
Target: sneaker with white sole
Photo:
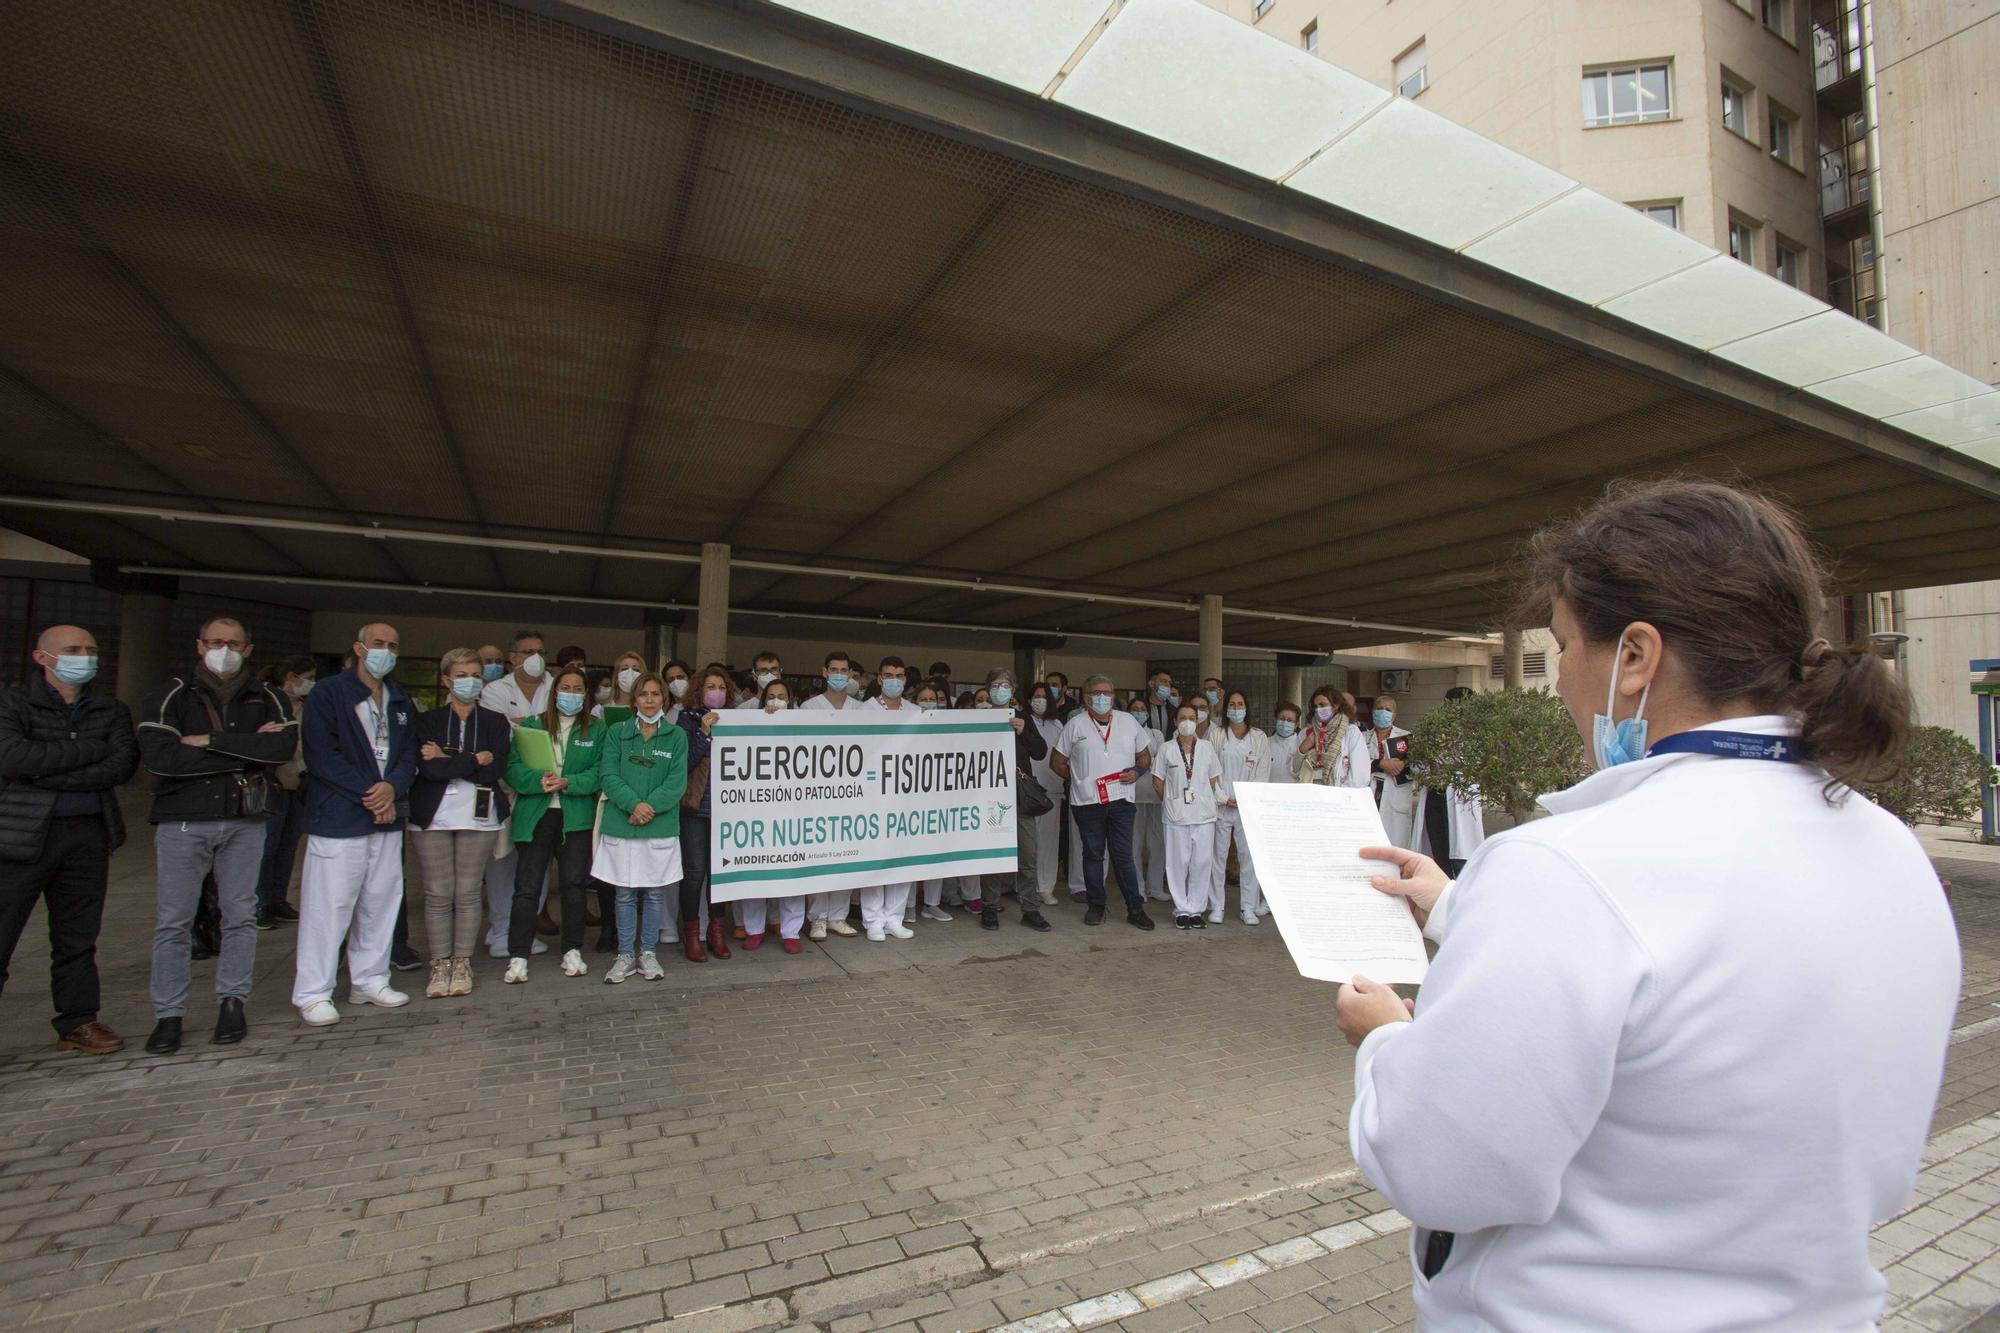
(818, 931)
(319, 1014)
(841, 928)
(900, 931)
(875, 934)
(649, 966)
(383, 996)
(621, 968)
(935, 914)
(517, 971)
(540, 946)
(440, 983)
(573, 964)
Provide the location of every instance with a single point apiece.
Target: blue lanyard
(1731, 745)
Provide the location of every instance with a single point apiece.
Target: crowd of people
(531, 780)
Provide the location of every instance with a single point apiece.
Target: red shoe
(793, 946)
(691, 941)
(718, 946)
(753, 941)
(973, 905)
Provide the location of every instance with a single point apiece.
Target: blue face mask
(1384, 719)
(892, 688)
(1615, 743)
(1001, 695)
(1100, 704)
(492, 670)
(1235, 715)
(569, 703)
(379, 662)
(1214, 697)
(1165, 695)
(837, 681)
(466, 688)
(77, 669)
(1285, 727)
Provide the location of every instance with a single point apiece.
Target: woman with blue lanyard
(1682, 1039)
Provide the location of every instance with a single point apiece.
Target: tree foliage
(1940, 782)
(1512, 745)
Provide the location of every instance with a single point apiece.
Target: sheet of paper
(1307, 841)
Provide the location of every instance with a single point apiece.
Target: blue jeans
(637, 921)
(1095, 824)
(283, 828)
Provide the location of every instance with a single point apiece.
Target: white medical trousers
(1250, 897)
(791, 915)
(1149, 847)
(350, 890)
(1189, 849)
(832, 906)
(882, 905)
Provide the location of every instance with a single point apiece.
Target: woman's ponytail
(1853, 711)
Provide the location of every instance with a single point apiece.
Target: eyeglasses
(238, 644)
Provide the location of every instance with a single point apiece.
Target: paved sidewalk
(964, 1131)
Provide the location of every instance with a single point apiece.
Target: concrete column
(711, 635)
(145, 655)
(1292, 685)
(1211, 639)
(663, 635)
(1511, 650)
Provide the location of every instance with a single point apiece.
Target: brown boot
(718, 938)
(691, 942)
(91, 1038)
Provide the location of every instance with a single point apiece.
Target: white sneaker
(875, 933)
(621, 968)
(517, 971)
(1049, 898)
(819, 930)
(497, 950)
(541, 946)
(649, 966)
(573, 964)
(383, 996)
(319, 1014)
(841, 928)
(1249, 919)
(935, 914)
(900, 931)
(670, 935)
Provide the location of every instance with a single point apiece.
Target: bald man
(361, 752)
(64, 750)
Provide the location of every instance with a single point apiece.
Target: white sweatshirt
(1679, 1049)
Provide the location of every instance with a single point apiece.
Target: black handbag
(253, 787)
(1032, 796)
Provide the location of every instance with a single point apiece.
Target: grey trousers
(1027, 845)
(184, 853)
(454, 862)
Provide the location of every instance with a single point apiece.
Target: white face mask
(776, 705)
(1041, 706)
(1185, 727)
(222, 661)
(532, 666)
(603, 693)
(628, 677)
(764, 678)
(677, 687)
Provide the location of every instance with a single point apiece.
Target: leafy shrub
(1512, 745)
(1941, 779)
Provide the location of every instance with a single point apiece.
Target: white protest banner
(814, 802)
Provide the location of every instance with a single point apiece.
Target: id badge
(1104, 791)
(1187, 795)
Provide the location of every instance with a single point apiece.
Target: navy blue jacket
(690, 722)
(340, 755)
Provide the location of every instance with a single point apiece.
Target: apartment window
(1263, 8)
(1413, 71)
(1743, 241)
(1309, 39)
(1784, 135)
(1627, 95)
(1736, 105)
(1778, 17)
(1666, 213)
(1790, 264)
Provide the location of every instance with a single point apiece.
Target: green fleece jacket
(635, 770)
(579, 765)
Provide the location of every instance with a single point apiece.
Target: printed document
(1306, 842)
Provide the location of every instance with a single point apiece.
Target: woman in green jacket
(643, 773)
(555, 826)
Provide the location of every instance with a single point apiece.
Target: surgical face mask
(76, 670)
(677, 687)
(1384, 719)
(492, 670)
(629, 677)
(1214, 697)
(927, 704)
(222, 661)
(892, 688)
(1100, 704)
(1038, 706)
(1140, 718)
(854, 688)
(1200, 716)
(569, 702)
(982, 703)
(1164, 694)
(1324, 712)
(714, 698)
(650, 719)
(1001, 695)
(379, 662)
(1615, 743)
(533, 665)
(1184, 728)
(764, 678)
(777, 705)
(837, 682)
(1285, 727)
(466, 688)
(603, 692)
(1235, 715)
(304, 687)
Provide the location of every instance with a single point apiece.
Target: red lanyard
(1105, 733)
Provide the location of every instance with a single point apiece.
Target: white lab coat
(1679, 1049)
(1285, 757)
(1466, 826)
(1397, 800)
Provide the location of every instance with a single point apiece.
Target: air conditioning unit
(1395, 682)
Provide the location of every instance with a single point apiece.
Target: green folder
(532, 744)
(616, 713)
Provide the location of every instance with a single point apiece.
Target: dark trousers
(571, 853)
(694, 865)
(71, 873)
(1112, 822)
(286, 826)
(1436, 815)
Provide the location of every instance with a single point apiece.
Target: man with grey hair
(214, 737)
(1029, 749)
(1103, 753)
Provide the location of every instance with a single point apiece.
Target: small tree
(1511, 745)
(1941, 779)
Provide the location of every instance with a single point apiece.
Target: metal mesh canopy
(724, 273)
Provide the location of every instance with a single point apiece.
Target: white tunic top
(637, 863)
(1245, 758)
(1102, 750)
(818, 703)
(1285, 757)
(1679, 1049)
(1153, 742)
(504, 697)
(1190, 796)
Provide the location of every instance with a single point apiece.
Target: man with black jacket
(214, 738)
(63, 751)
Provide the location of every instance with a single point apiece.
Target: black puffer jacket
(45, 751)
(206, 782)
